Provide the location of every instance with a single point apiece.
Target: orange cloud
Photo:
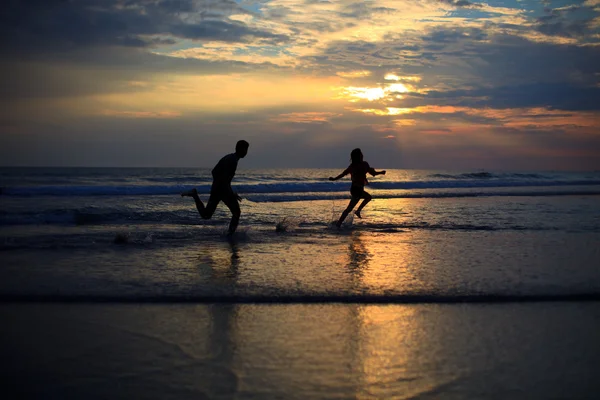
(306, 117)
(141, 114)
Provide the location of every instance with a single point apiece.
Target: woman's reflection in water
(358, 258)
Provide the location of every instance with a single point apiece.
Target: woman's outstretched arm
(346, 172)
(373, 172)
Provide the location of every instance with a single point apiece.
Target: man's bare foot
(191, 193)
(357, 213)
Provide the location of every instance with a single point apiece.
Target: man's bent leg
(211, 206)
(193, 193)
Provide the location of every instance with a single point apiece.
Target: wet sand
(325, 351)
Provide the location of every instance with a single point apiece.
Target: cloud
(461, 3)
(563, 96)
(225, 32)
(140, 114)
(313, 117)
(38, 27)
(301, 78)
(573, 21)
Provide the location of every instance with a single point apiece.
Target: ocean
(454, 284)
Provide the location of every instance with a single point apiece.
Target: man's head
(241, 148)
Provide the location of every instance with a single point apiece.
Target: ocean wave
(489, 175)
(287, 197)
(282, 187)
(95, 216)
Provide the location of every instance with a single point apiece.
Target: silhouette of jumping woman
(221, 190)
(358, 171)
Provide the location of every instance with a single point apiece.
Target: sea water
(459, 284)
(128, 232)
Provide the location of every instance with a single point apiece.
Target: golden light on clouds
(360, 93)
(398, 111)
(404, 122)
(220, 93)
(140, 114)
(385, 111)
(394, 77)
(235, 52)
(354, 74)
(397, 88)
(384, 91)
(330, 72)
(306, 117)
(354, 94)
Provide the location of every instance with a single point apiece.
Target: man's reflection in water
(221, 262)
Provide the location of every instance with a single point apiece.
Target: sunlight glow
(354, 74)
(306, 118)
(398, 111)
(398, 88)
(140, 114)
(387, 111)
(365, 93)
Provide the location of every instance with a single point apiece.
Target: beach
(323, 351)
(475, 286)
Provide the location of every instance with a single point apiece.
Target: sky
(444, 84)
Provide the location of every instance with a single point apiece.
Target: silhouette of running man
(221, 190)
(358, 171)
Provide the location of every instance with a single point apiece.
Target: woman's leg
(353, 201)
(367, 198)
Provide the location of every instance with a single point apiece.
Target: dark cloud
(571, 29)
(224, 31)
(574, 21)
(453, 35)
(461, 3)
(562, 96)
(37, 27)
(514, 59)
(363, 10)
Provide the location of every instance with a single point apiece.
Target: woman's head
(356, 156)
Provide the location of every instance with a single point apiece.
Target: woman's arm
(373, 172)
(346, 172)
